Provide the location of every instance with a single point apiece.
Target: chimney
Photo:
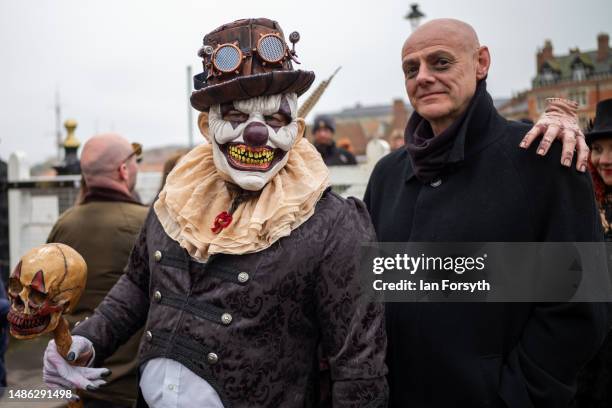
(400, 115)
(603, 47)
(545, 54)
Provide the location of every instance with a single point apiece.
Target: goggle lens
(271, 48)
(227, 58)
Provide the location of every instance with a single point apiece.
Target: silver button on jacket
(212, 358)
(243, 277)
(226, 318)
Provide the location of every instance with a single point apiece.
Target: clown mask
(251, 138)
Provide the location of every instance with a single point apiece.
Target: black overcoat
(483, 354)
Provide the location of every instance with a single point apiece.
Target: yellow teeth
(243, 155)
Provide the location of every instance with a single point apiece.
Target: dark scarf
(429, 154)
(326, 150)
(107, 194)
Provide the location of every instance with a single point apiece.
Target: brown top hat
(602, 125)
(245, 59)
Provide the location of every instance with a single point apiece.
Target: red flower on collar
(222, 220)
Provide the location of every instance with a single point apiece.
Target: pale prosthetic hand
(560, 121)
(74, 371)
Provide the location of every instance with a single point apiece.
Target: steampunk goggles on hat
(228, 58)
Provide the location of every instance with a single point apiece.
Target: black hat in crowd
(602, 125)
(324, 121)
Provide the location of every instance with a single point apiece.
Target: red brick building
(582, 76)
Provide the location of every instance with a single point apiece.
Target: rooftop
(576, 65)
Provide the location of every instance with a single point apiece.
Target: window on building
(548, 75)
(579, 73)
(578, 95)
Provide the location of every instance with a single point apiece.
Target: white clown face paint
(251, 138)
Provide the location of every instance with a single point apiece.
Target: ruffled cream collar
(195, 193)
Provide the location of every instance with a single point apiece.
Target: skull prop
(47, 282)
(251, 138)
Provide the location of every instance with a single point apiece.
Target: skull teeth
(27, 324)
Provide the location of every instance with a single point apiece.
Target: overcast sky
(121, 65)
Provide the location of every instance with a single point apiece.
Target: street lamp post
(414, 16)
(189, 108)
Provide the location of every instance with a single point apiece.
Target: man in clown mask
(247, 263)
(252, 137)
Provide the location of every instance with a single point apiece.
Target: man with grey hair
(463, 177)
(103, 229)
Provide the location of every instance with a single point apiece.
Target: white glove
(59, 373)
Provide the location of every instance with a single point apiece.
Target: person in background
(323, 130)
(595, 380)
(345, 144)
(600, 163)
(103, 229)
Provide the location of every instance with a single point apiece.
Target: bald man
(109, 161)
(103, 229)
(463, 177)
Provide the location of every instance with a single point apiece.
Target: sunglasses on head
(136, 151)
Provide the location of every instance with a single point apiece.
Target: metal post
(58, 126)
(189, 108)
(18, 170)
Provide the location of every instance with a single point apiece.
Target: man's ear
(483, 62)
(203, 125)
(123, 172)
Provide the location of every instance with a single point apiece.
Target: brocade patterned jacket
(250, 325)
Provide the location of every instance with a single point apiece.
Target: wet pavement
(24, 372)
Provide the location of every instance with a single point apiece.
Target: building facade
(582, 76)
